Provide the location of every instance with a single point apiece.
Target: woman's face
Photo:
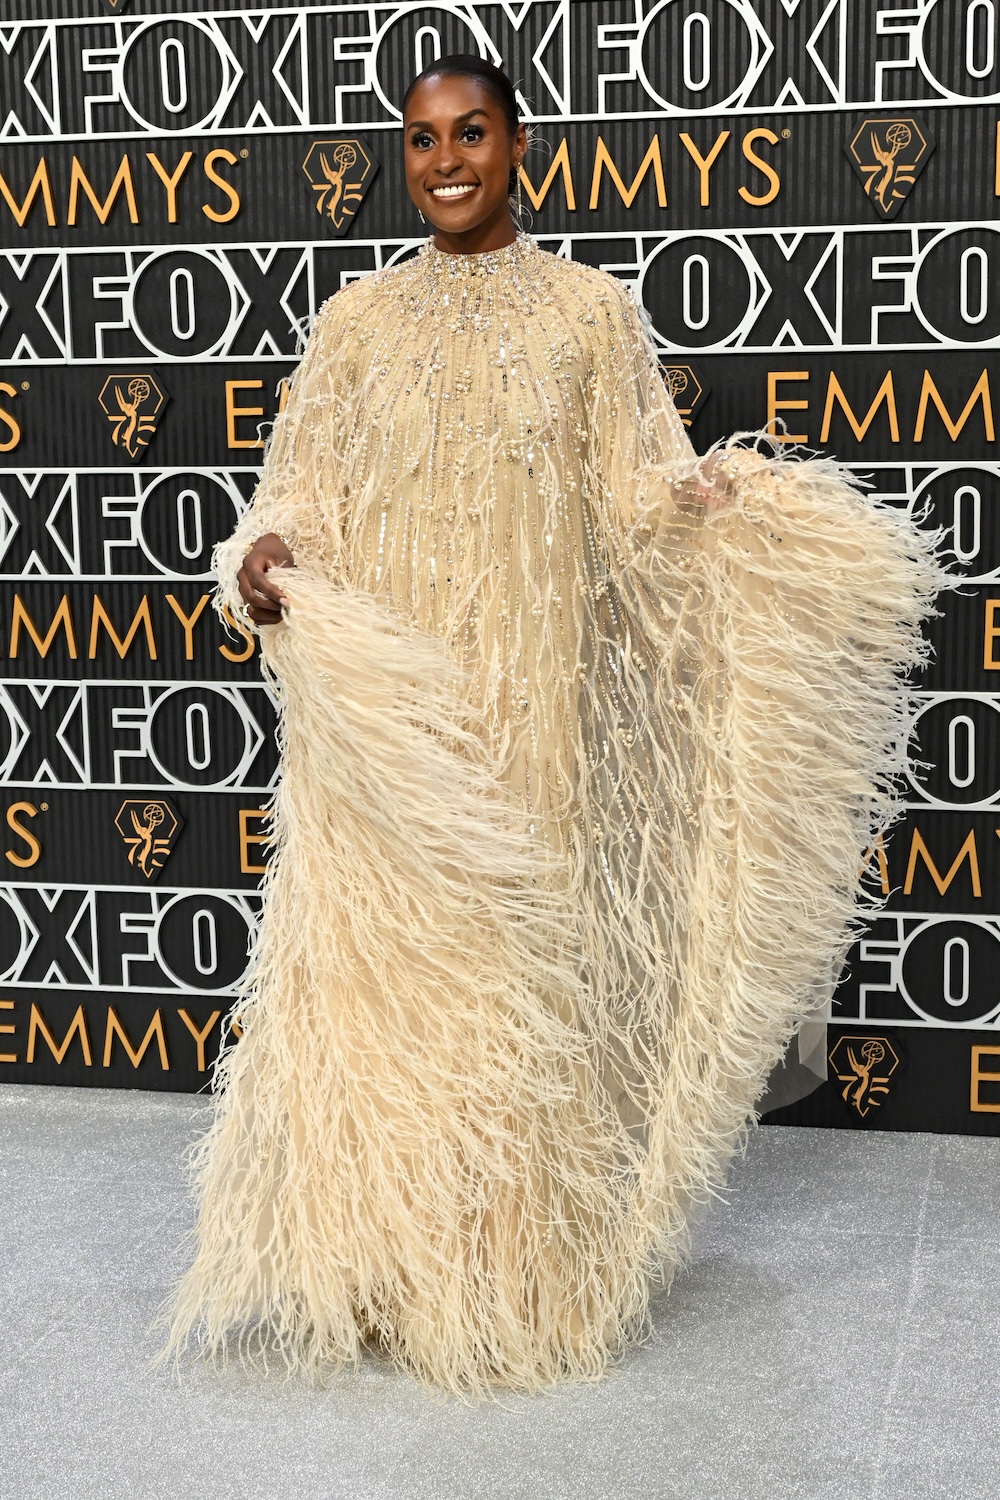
(459, 153)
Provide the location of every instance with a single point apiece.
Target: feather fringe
(412, 1146)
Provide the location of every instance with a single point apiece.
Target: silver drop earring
(519, 204)
(422, 219)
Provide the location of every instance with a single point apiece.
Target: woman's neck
(484, 237)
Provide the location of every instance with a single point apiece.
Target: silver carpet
(836, 1338)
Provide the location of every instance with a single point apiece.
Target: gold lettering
(199, 1036)
(227, 187)
(967, 852)
(188, 622)
(774, 405)
(77, 1027)
(835, 392)
(23, 861)
(62, 616)
(170, 182)
(990, 633)
(8, 1031)
(141, 617)
(123, 180)
(40, 183)
(652, 158)
(247, 838)
(9, 420)
(115, 1028)
(704, 163)
(8, 1057)
(760, 200)
(979, 1075)
(560, 163)
(248, 650)
(234, 413)
(980, 392)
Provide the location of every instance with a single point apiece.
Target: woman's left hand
(715, 489)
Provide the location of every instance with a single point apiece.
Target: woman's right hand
(262, 599)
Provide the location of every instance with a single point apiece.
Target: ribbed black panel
(162, 253)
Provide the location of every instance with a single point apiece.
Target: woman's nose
(448, 157)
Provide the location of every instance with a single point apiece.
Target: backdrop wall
(804, 195)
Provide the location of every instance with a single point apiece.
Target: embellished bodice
(457, 424)
(476, 430)
(481, 370)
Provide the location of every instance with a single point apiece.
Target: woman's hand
(714, 488)
(262, 599)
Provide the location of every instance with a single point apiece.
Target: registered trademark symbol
(785, 134)
(45, 807)
(26, 385)
(244, 153)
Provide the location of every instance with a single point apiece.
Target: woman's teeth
(454, 192)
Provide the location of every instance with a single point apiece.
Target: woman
(583, 741)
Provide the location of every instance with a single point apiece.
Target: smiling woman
(583, 740)
(462, 161)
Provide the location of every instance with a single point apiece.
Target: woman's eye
(472, 133)
(421, 140)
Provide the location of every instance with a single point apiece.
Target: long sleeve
(301, 490)
(788, 611)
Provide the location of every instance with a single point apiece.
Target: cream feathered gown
(577, 774)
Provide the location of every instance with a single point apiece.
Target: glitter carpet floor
(835, 1338)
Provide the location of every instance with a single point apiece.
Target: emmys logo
(686, 390)
(338, 172)
(149, 830)
(888, 156)
(864, 1065)
(132, 404)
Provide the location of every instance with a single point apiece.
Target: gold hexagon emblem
(340, 171)
(888, 156)
(133, 405)
(686, 390)
(149, 826)
(864, 1066)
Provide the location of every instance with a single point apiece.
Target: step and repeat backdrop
(803, 193)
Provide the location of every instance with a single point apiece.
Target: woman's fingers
(264, 608)
(249, 591)
(261, 593)
(258, 567)
(262, 614)
(716, 481)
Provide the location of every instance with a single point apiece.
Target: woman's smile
(451, 191)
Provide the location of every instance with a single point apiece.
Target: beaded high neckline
(484, 263)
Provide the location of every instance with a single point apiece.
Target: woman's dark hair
(468, 65)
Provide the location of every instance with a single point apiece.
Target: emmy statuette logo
(888, 156)
(864, 1065)
(133, 405)
(340, 171)
(686, 390)
(149, 830)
